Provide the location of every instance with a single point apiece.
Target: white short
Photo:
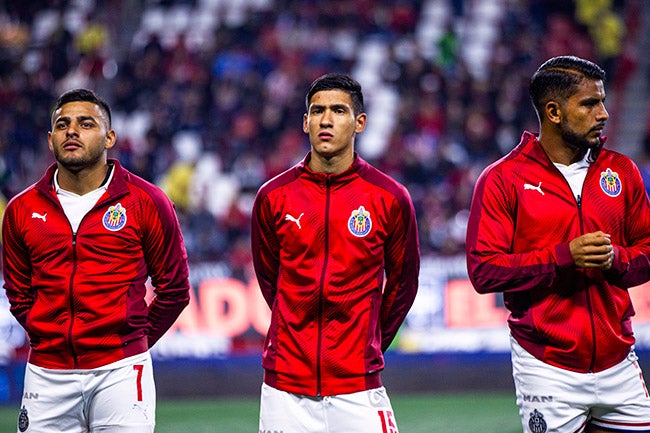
(360, 412)
(119, 397)
(552, 399)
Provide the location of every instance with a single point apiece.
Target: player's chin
(597, 134)
(325, 150)
(593, 143)
(73, 163)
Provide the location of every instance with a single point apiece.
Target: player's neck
(559, 152)
(83, 181)
(331, 164)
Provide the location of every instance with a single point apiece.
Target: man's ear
(360, 123)
(111, 138)
(553, 112)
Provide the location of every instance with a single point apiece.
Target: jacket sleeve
(16, 266)
(402, 266)
(631, 265)
(265, 249)
(167, 265)
(492, 264)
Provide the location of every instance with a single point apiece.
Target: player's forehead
(78, 110)
(596, 87)
(331, 97)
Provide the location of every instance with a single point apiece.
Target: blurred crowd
(211, 107)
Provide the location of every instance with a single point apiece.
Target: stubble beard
(75, 164)
(575, 140)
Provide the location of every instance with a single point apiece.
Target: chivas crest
(536, 422)
(610, 182)
(23, 420)
(115, 218)
(359, 222)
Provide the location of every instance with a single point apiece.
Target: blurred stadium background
(208, 97)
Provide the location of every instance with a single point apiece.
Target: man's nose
(326, 118)
(72, 129)
(603, 114)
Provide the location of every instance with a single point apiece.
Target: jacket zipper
(587, 295)
(75, 356)
(322, 289)
(70, 293)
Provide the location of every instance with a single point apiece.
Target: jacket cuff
(620, 263)
(563, 255)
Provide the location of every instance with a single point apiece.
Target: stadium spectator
(240, 88)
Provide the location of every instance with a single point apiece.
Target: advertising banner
(228, 316)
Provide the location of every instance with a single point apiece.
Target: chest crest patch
(359, 222)
(115, 218)
(610, 182)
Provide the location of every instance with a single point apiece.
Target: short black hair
(559, 77)
(84, 95)
(336, 81)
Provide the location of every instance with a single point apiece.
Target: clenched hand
(593, 250)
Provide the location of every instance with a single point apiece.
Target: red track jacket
(321, 244)
(81, 298)
(522, 218)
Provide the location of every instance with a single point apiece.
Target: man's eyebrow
(79, 119)
(332, 106)
(84, 118)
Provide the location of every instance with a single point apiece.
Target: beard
(76, 163)
(576, 140)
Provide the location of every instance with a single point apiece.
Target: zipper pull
(579, 201)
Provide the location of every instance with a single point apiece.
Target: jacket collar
(117, 185)
(530, 145)
(358, 166)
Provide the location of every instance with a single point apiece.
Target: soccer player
(561, 226)
(336, 254)
(78, 248)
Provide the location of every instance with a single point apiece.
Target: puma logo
(38, 215)
(294, 219)
(537, 188)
